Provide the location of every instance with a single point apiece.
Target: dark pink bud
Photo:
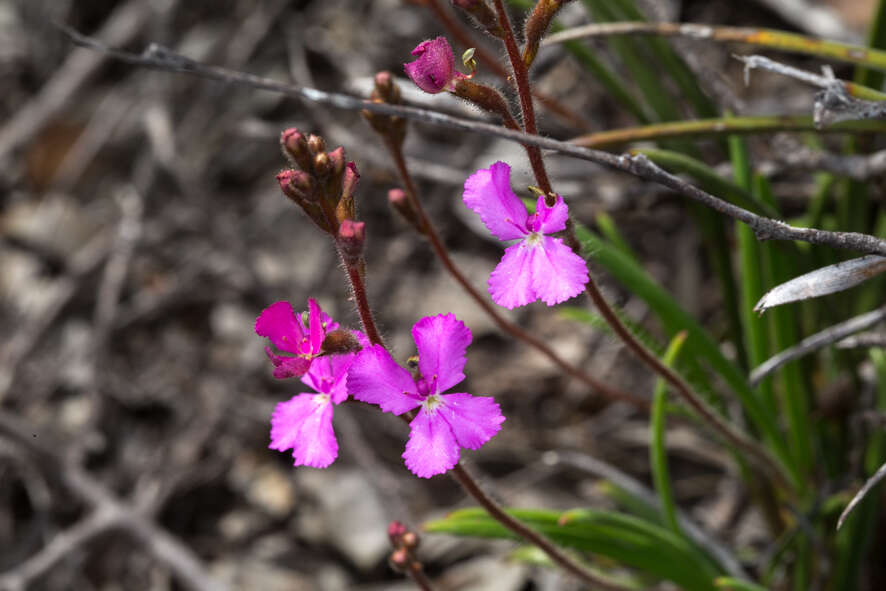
(337, 160)
(297, 185)
(395, 531)
(434, 70)
(295, 148)
(351, 237)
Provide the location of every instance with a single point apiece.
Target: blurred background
(142, 231)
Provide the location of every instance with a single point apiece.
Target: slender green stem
(774, 39)
(721, 126)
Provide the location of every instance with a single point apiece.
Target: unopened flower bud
(385, 90)
(399, 560)
(337, 159)
(345, 208)
(409, 540)
(402, 205)
(536, 26)
(297, 185)
(322, 164)
(300, 188)
(483, 14)
(351, 238)
(316, 144)
(295, 148)
(395, 532)
(434, 69)
(392, 129)
(340, 341)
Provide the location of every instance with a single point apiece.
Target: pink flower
(287, 332)
(445, 423)
(537, 267)
(304, 422)
(434, 70)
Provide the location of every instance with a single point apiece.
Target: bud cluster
(392, 128)
(321, 183)
(404, 543)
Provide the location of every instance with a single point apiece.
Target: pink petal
(315, 319)
(431, 448)
(473, 419)
(488, 193)
(375, 377)
(434, 69)
(441, 342)
(304, 424)
(557, 272)
(278, 323)
(287, 367)
(510, 284)
(551, 219)
(328, 375)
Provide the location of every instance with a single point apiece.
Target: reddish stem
(524, 90)
(355, 275)
(527, 533)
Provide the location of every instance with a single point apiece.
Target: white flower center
(534, 238)
(432, 402)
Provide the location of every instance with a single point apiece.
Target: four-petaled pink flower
(288, 333)
(445, 423)
(434, 69)
(304, 422)
(537, 267)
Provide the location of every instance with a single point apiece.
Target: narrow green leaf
(658, 457)
(628, 540)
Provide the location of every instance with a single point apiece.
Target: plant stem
(503, 323)
(517, 527)
(521, 80)
(358, 285)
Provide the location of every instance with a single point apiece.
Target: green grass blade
(783, 326)
(658, 458)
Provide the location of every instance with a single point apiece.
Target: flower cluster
(444, 423)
